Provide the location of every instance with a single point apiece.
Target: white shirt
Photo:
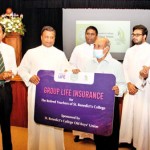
(78, 60)
(135, 125)
(136, 57)
(111, 66)
(41, 137)
(9, 57)
(81, 55)
(41, 58)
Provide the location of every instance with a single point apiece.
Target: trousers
(5, 112)
(110, 142)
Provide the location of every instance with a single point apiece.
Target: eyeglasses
(136, 35)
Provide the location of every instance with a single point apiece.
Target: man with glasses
(135, 116)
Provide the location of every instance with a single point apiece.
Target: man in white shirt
(43, 57)
(78, 60)
(135, 115)
(82, 53)
(145, 130)
(104, 63)
(8, 69)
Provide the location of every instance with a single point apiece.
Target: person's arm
(116, 90)
(35, 79)
(6, 75)
(126, 62)
(24, 69)
(10, 64)
(13, 64)
(121, 86)
(132, 88)
(76, 71)
(144, 73)
(64, 64)
(73, 59)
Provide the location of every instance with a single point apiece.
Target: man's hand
(144, 72)
(34, 79)
(75, 71)
(116, 89)
(132, 88)
(7, 75)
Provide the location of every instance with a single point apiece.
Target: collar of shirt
(141, 45)
(46, 47)
(90, 45)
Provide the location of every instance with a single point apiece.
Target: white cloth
(41, 137)
(135, 113)
(81, 55)
(144, 134)
(111, 66)
(78, 60)
(9, 57)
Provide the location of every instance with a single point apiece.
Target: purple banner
(75, 106)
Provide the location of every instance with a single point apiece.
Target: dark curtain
(35, 19)
(38, 13)
(76, 4)
(16, 5)
(115, 4)
(43, 3)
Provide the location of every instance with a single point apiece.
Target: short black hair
(48, 28)
(141, 27)
(93, 28)
(3, 28)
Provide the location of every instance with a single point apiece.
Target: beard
(135, 42)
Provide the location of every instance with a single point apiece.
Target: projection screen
(115, 24)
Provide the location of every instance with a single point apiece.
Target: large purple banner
(83, 101)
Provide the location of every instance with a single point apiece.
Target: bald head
(101, 48)
(101, 43)
(8, 11)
